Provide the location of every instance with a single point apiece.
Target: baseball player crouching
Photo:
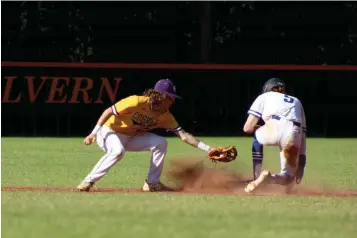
(285, 126)
(124, 127)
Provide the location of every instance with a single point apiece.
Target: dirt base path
(299, 192)
(190, 176)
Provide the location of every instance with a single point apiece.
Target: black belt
(278, 118)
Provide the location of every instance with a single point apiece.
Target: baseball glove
(223, 154)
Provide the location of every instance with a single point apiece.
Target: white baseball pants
(115, 145)
(290, 139)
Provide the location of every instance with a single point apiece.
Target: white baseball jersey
(288, 111)
(282, 105)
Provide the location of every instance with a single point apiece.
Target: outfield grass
(65, 162)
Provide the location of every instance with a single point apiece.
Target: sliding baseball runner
(285, 127)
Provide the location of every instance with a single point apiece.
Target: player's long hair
(159, 101)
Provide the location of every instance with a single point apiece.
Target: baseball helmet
(273, 83)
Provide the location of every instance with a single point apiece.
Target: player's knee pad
(257, 149)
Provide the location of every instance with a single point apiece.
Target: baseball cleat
(85, 186)
(263, 177)
(155, 187)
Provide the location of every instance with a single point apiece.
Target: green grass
(65, 162)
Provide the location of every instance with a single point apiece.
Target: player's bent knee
(291, 153)
(117, 152)
(161, 144)
(281, 179)
(259, 137)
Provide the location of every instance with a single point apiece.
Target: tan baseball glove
(223, 154)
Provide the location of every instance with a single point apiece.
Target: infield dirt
(191, 176)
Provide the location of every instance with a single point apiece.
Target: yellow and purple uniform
(133, 116)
